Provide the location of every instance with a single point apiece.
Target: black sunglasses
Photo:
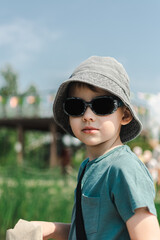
(103, 105)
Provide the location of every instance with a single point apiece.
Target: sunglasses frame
(116, 101)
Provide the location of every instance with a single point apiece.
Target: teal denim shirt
(113, 186)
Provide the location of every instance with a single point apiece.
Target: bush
(7, 142)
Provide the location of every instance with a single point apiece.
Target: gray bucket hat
(108, 74)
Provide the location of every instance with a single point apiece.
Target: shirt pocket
(91, 209)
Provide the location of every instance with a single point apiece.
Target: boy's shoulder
(125, 156)
(126, 163)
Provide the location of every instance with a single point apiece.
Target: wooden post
(20, 144)
(53, 161)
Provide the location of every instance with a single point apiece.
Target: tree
(10, 77)
(10, 87)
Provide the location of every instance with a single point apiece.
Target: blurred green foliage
(36, 157)
(141, 141)
(7, 141)
(31, 194)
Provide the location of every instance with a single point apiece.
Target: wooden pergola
(40, 124)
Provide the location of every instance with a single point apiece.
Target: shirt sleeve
(131, 187)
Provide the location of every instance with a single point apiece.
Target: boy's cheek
(72, 122)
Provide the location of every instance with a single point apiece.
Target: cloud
(22, 40)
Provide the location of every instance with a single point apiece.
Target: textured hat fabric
(108, 74)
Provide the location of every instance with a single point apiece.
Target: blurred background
(41, 42)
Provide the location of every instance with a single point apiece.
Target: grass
(38, 195)
(33, 194)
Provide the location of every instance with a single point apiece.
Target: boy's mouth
(89, 129)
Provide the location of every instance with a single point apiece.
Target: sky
(44, 40)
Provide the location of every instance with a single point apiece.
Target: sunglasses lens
(74, 107)
(100, 106)
(103, 106)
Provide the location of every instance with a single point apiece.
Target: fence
(27, 106)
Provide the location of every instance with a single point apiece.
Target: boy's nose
(88, 115)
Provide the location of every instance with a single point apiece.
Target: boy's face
(91, 129)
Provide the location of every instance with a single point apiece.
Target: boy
(115, 194)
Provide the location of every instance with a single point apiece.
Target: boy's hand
(48, 228)
(59, 231)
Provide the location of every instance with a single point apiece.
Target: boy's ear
(127, 116)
